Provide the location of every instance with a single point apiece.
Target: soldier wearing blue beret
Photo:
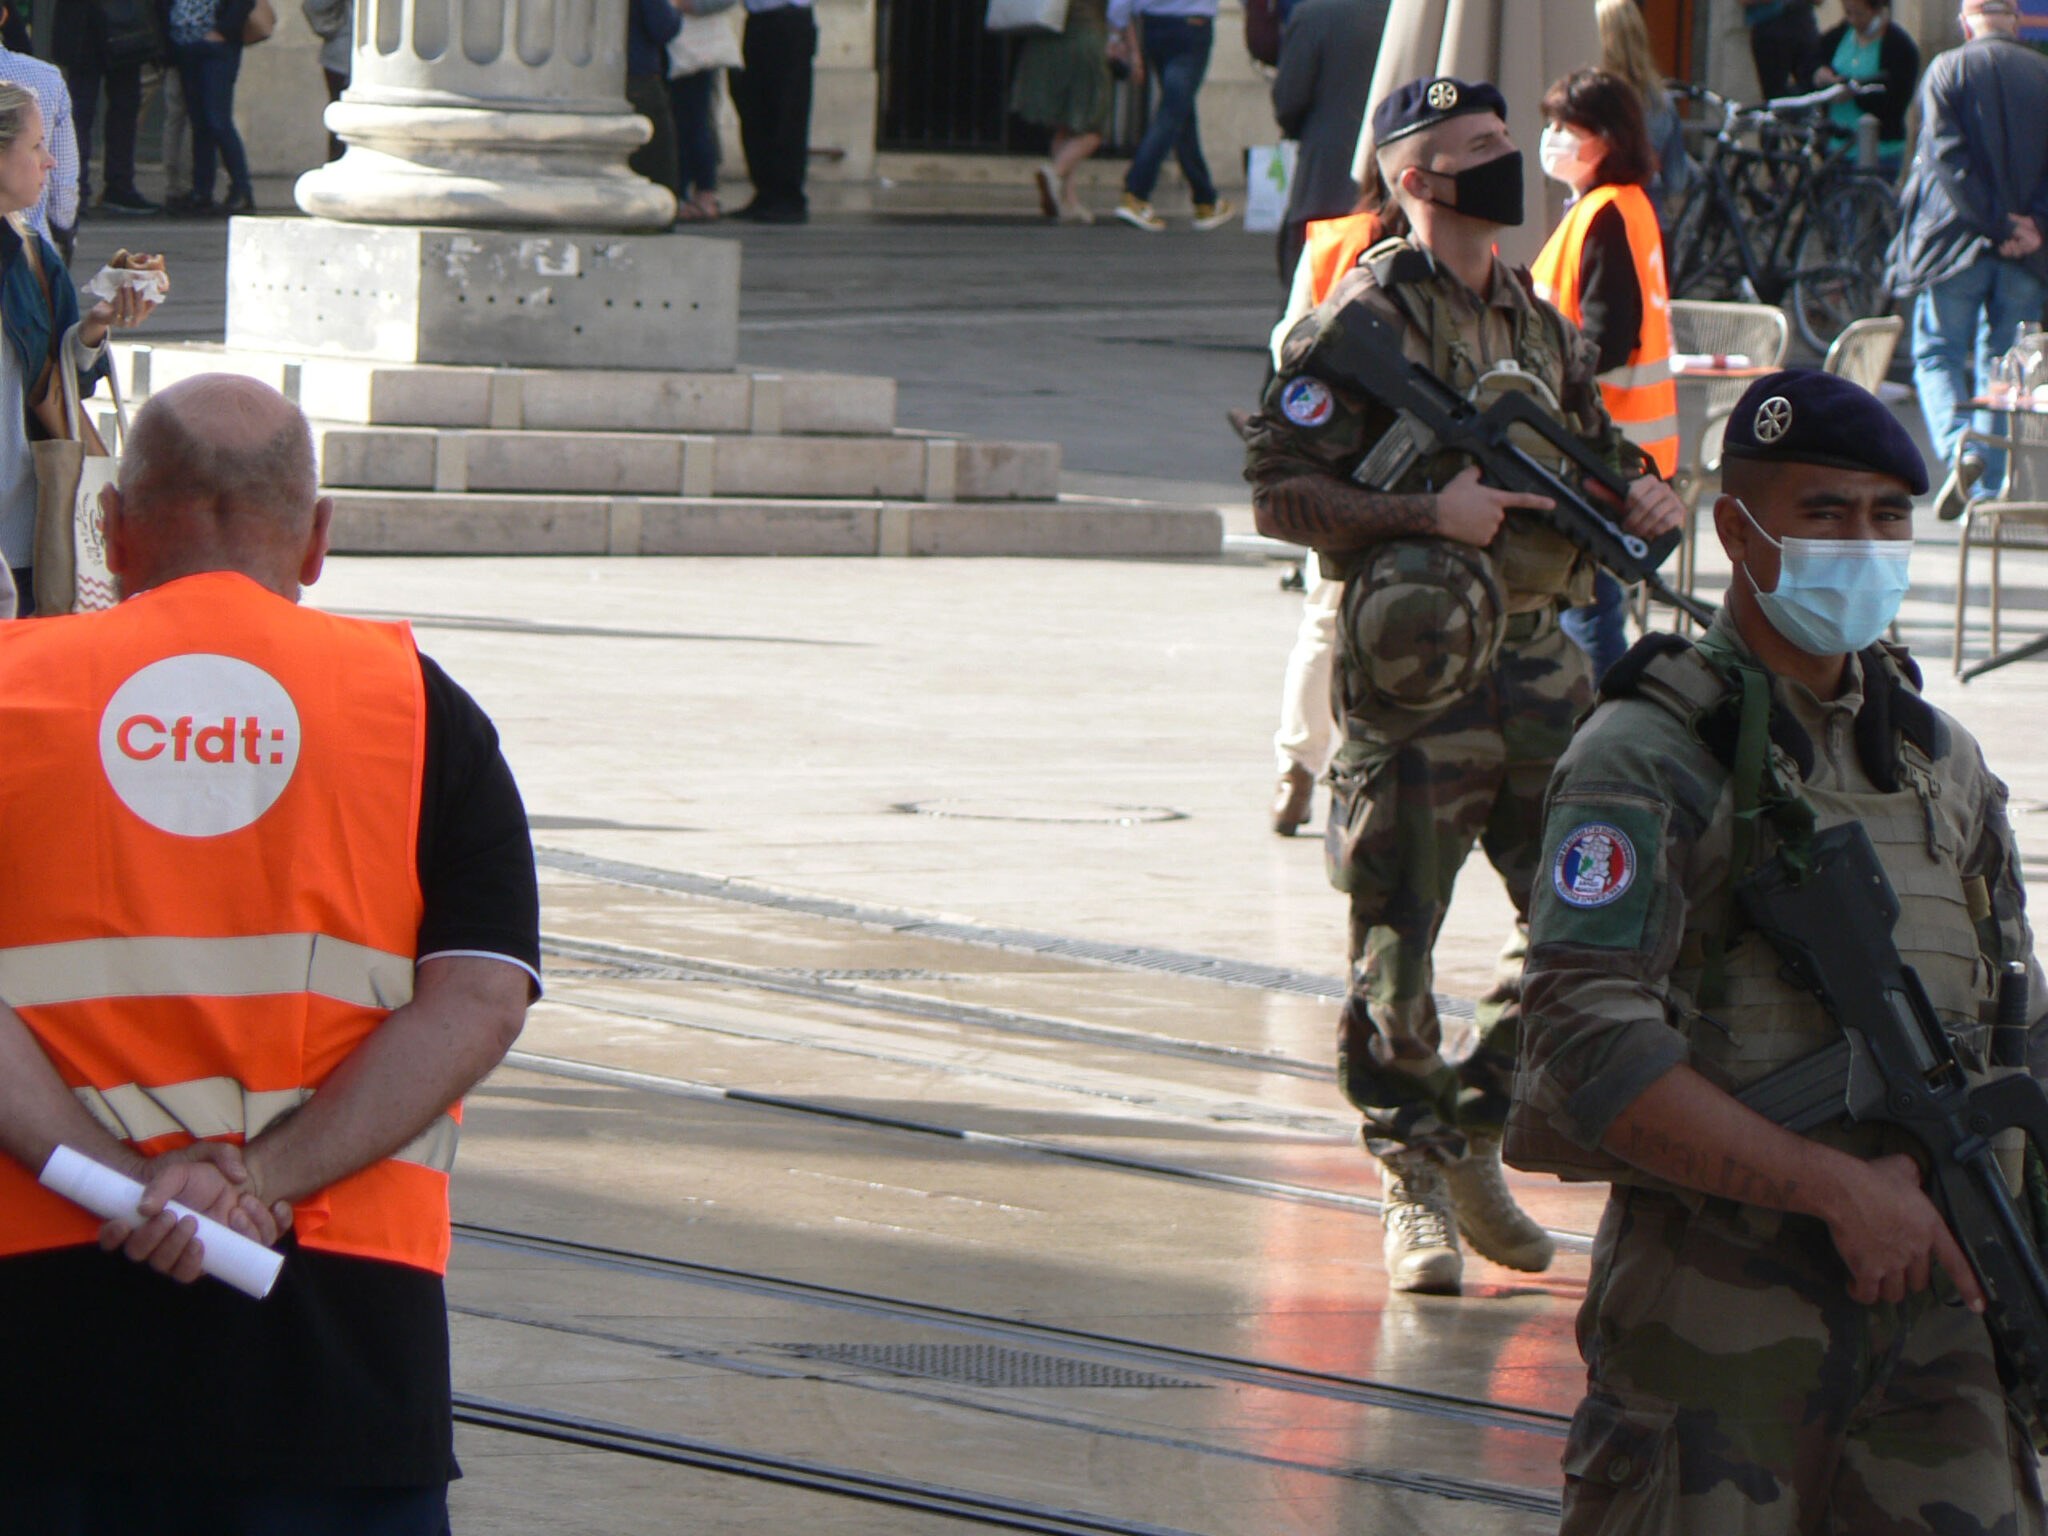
(1456, 685)
(1765, 1350)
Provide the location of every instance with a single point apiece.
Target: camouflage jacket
(1449, 329)
(1610, 991)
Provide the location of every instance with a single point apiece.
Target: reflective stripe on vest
(254, 966)
(229, 904)
(1334, 246)
(1641, 395)
(217, 1107)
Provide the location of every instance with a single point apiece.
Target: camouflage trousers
(1405, 813)
(1734, 1389)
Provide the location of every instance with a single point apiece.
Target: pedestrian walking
(289, 964)
(1457, 688)
(1063, 85)
(1328, 49)
(1175, 39)
(1969, 249)
(1625, 51)
(206, 46)
(772, 95)
(103, 45)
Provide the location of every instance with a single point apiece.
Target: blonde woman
(1625, 51)
(38, 311)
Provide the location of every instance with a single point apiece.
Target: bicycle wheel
(1838, 264)
(1702, 261)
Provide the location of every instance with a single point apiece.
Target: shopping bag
(1269, 175)
(1026, 16)
(70, 546)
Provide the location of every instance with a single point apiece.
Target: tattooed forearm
(1324, 512)
(1710, 1171)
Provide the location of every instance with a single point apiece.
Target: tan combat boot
(1487, 1213)
(1421, 1244)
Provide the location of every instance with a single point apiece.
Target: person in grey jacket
(1975, 207)
(1327, 52)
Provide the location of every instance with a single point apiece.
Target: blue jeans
(1600, 629)
(1959, 326)
(693, 101)
(91, 1506)
(207, 71)
(1177, 56)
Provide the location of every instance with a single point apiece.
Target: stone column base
(497, 298)
(415, 164)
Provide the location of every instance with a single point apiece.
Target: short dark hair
(1593, 101)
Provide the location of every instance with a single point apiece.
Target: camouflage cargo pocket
(1620, 1468)
(1350, 805)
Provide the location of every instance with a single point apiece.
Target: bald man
(285, 919)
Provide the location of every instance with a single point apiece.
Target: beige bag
(70, 549)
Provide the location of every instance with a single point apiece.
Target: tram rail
(1105, 1348)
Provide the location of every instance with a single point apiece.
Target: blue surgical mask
(1833, 596)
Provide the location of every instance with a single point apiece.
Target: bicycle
(1791, 220)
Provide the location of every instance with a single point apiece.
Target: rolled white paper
(227, 1255)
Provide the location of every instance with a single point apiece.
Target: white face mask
(1834, 596)
(1567, 155)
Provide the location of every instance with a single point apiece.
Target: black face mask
(1492, 191)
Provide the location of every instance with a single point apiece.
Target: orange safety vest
(1640, 394)
(1334, 246)
(208, 887)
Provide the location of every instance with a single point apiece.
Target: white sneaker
(1214, 215)
(1488, 1215)
(1421, 1244)
(1048, 182)
(1137, 213)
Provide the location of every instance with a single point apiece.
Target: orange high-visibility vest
(1334, 246)
(1640, 394)
(208, 888)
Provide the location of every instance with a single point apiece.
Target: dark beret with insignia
(1799, 416)
(1423, 104)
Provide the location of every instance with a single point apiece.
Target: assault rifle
(1360, 353)
(1894, 1066)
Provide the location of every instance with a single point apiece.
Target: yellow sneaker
(1137, 213)
(1214, 215)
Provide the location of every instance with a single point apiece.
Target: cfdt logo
(200, 745)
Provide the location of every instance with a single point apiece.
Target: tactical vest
(1535, 565)
(1746, 1021)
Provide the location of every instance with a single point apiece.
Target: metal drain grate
(980, 1365)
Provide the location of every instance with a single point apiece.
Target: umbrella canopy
(1519, 45)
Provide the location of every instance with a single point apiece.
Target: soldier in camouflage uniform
(1455, 685)
(1765, 1342)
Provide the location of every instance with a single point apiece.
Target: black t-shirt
(338, 1378)
(1610, 293)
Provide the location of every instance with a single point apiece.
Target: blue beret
(1423, 104)
(1799, 416)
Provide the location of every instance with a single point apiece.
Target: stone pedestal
(489, 113)
(497, 298)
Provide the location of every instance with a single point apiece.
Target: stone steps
(365, 393)
(440, 523)
(901, 467)
(434, 459)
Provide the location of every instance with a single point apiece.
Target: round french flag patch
(1594, 866)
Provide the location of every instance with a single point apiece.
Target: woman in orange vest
(1604, 269)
